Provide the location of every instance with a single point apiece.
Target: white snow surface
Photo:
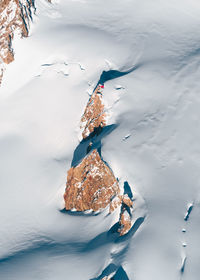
(155, 145)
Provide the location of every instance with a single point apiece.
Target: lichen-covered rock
(15, 16)
(90, 185)
(94, 115)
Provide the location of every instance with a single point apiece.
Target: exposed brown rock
(125, 222)
(14, 17)
(90, 185)
(1, 75)
(127, 201)
(122, 201)
(115, 203)
(118, 200)
(94, 115)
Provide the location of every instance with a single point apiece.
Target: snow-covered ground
(154, 147)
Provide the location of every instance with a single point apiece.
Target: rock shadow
(114, 74)
(111, 268)
(79, 213)
(127, 190)
(120, 273)
(93, 141)
(132, 231)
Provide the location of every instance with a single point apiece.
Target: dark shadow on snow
(132, 231)
(79, 213)
(93, 141)
(114, 74)
(120, 273)
(127, 190)
(188, 213)
(107, 271)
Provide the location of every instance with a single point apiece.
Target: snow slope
(154, 146)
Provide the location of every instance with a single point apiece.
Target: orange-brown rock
(118, 200)
(127, 201)
(125, 222)
(1, 75)
(115, 203)
(90, 185)
(15, 16)
(94, 115)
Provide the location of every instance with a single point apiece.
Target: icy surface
(155, 145)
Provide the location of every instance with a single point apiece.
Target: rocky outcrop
(124, 222)
(115, 203)
(90, 185)
(94, 115)
(15, 17)
(125, 219)
(127, 201)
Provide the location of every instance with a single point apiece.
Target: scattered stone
(117, 87)
(189, 210)
(126, 137)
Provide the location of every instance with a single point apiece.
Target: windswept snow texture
(154, 146)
